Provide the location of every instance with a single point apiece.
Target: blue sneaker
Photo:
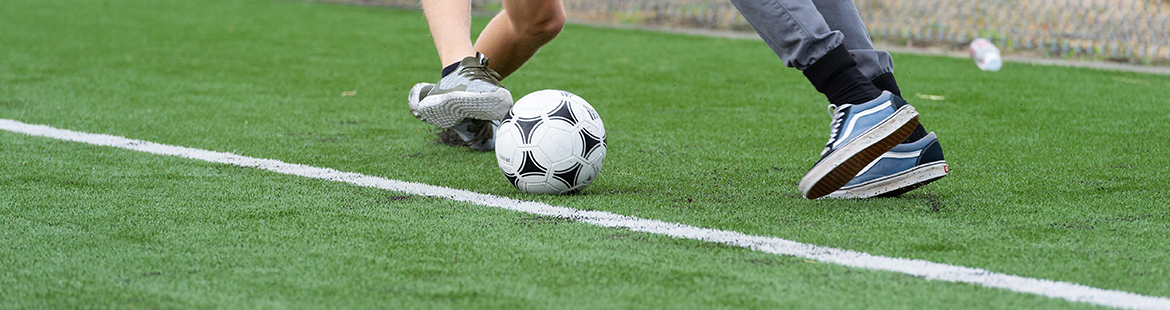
(904, 168)
(860, 133)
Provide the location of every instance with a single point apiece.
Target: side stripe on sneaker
(898, 155)
(853, 121)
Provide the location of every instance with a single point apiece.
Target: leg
(801, 37)
(866, 121)
(795, 31)
(450, 23)
(889, 175)
(878, 66)
(517, 32)
(468, 95)
(842, 16)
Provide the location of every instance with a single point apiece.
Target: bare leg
(517, 32)
(450, 23)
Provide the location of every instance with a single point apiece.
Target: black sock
(836, 75)
(887, 82)
(448, 69)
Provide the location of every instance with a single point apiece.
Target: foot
(904, 168)
(471, 133)
(476, 134)
(472, 91)
(860, 133)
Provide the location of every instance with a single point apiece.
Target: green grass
(1058, 173)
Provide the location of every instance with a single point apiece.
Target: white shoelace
(834, 126)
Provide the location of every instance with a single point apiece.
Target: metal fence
(1122, 30)
(1117, 29)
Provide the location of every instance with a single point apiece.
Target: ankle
(886, 82)
(836, 75)
(449, 69)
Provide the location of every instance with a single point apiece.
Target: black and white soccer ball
(551, 142)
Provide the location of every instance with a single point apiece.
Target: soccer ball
(551, 142)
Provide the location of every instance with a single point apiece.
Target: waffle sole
(446, 110)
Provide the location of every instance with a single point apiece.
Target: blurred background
(1130, 31)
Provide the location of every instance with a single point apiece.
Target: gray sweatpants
(801, 31)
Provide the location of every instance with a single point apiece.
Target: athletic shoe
(472, 91)
(859, 134)
(476, 134)
(904, 168)
(470, 132)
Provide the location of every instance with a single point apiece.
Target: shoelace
(835, 126)
(481, 71)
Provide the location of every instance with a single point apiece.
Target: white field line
(920, 268)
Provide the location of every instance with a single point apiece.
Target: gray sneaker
(476, 134)
(471, 133)
(473, 91)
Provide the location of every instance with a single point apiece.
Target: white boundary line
(920, 268)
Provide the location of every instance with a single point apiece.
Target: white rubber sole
(894, 184)
(449, 109)
(836, 170)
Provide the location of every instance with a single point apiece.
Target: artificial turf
(1058, 173)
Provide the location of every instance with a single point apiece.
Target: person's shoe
(470, 132)
(859, 134)
(904, 168)
(476, 134)
(472, 91)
